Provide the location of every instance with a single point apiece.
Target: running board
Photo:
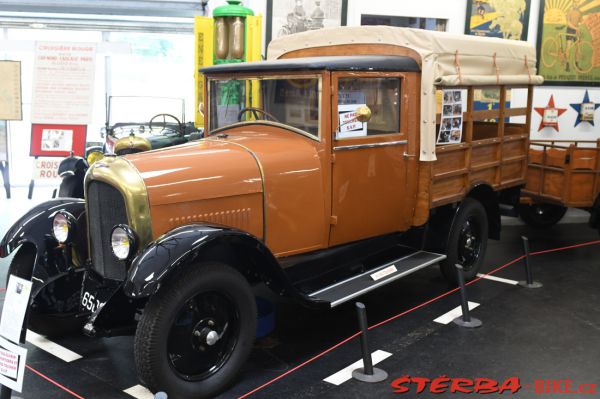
(343, 291)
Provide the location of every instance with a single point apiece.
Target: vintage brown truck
(319, 176)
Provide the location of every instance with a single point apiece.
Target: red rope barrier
(54, 382)
(266, 384)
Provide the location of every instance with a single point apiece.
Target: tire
(47, 324)
(541, 216)
(467, 241)
(71, 187)
(171, 348)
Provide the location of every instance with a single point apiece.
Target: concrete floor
(546, 334)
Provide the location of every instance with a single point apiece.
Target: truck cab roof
(330, 63)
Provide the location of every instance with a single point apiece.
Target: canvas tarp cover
(446, 60)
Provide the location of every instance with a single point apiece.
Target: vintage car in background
(133, 124)
(319, 176)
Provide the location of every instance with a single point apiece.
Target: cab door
(369, 173)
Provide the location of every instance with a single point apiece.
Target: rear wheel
(196, 332)
(53, 310)
(467, 241)
(541, 216)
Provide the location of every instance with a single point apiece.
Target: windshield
(141, 109)
(290, 100)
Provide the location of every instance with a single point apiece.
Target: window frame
(265, 76)
(401, 135)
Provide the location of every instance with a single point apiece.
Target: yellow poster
(507, 19)
(569, 43)
(10, 91)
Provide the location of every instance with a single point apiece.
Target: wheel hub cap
(211, 338)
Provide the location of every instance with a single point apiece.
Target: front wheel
(541, 216)
(196, 332)
(467, 241)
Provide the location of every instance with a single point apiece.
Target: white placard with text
(12, 365)
(349, 126)
(63, 83)
(16, 301)
(45, 169)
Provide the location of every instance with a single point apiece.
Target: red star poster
(550, 115)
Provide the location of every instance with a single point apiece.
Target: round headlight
(122, 241)
(61, 227)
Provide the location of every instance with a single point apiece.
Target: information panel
(10, 90)
(63, 83)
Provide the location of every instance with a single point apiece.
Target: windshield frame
(266, 76)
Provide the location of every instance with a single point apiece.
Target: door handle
(406, 155)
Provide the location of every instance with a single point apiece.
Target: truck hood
(203, 169)
(257, 177)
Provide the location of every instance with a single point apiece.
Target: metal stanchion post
(367, 373)
(465, 320)
(528, 283)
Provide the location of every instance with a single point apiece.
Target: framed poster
(507, 19)
(285, 17)
(10, 91)
(3, 142)
(568, 43)
(57, 140)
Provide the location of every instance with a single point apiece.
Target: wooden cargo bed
(494, 153)
(564, 172)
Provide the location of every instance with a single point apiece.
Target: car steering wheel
(255, 111)
(180, 128)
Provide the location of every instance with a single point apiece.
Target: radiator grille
(106, 209)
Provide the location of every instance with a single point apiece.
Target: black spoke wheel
(541, 216)
(196, 332)
(203, 336)
(467, 241)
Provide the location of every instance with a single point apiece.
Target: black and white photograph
(451, 118)
(286, 17)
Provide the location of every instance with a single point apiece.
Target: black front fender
(188, 244)
(35, 227)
